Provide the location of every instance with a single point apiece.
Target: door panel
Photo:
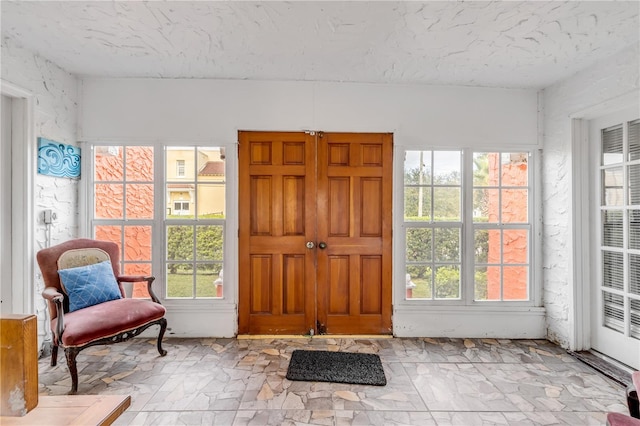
(354, 270)
(333, 189)
(277, 218)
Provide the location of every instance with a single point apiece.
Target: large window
(129, 208)
(467, 226)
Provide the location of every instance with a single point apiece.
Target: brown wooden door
(332, 190)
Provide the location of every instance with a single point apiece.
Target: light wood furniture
(80, 410)
(18, 364)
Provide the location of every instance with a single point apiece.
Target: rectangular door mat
(337, 367)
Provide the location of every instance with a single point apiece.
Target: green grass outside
(181, 285)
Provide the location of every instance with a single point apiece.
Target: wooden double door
(315, 233)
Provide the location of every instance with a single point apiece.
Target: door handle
(322, 245)
(310, 244)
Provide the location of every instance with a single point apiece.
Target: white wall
(156, 109)
(609, 79)
(55, 114)
(151, 110)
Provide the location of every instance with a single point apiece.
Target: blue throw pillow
(89, 285)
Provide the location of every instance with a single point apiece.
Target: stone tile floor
(429, 382)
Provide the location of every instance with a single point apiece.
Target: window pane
(418, 245)
(180, 280)
(613, 308)
(108, 163)
(137, 243)
(447, 282)
(139, 163)
(480, 169)
(485, 205)
(108, 233)
(108, 201)
(179, 242)
(612, 226)
(612, 145)
(613, 192)
(139, 201)
(140, 288)
(181, 163)
(515, 279)
(447, 244)
(634, 318)
(418, 282)
(211, 165)
(634, 229)
(142, 269)
(481, 245)
(446, 167)
(494, 283)
(209, 240)
(514, 246)
(480, 282)
(634, 140)
(210, 202)
(634, 274)
(514, 169)
(612, 270)
(417, 168)
(634, 184)
(206, 276)
(417, 203)
(446, 204)
(515, 206)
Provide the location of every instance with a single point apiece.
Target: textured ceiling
(499, 44)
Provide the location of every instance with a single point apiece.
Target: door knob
(322, 245)
(310, 244)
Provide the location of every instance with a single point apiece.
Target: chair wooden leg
(71, 354)
(54, 355)
(163, 328)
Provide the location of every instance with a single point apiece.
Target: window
(180, 207)
(180, 168)
(467, 226)
(126, 196)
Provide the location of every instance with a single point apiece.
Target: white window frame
(467, 234)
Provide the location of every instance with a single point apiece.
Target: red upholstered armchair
(76, 327)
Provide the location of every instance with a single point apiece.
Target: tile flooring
(429, 382)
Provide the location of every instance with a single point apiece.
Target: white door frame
(581, 283)
(23, 159)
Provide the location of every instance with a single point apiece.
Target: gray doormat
(337, 367)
